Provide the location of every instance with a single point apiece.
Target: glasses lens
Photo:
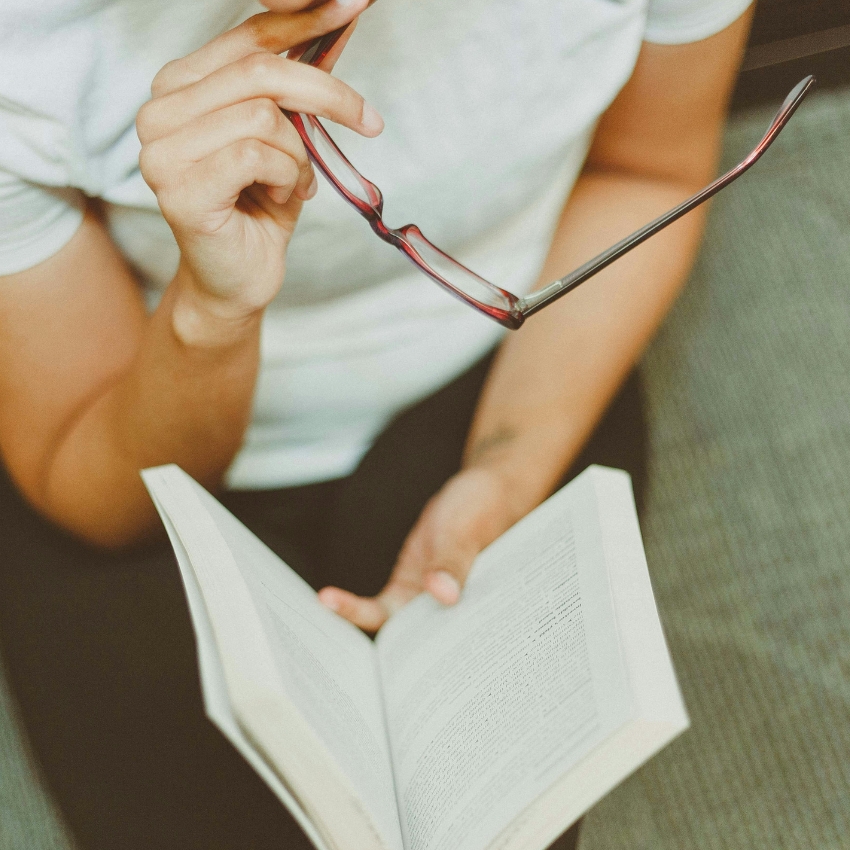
(347, 180)
(459, 278)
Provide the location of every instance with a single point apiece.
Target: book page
(659, 712)
(491, 701)
(214, 689)
(303, 683)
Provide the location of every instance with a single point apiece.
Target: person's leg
(291, 521)
(101, 658)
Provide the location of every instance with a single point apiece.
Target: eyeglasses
(504, 307)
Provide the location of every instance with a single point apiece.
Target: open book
(490, 725)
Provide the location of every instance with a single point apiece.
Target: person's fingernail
(371, 120)
(346, 3)
(312, 188)
(445, 587)
(329, 600)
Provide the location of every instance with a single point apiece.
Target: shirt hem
(48, 245)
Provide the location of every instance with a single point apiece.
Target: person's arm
(657, 144)
(92, 389)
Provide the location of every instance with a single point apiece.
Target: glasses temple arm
(536, 300)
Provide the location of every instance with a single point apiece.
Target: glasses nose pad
(331, 161)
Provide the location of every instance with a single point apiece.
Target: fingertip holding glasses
(500, 305)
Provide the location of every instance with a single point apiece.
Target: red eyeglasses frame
(498, 304)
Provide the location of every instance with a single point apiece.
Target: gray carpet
(28, 820)
(747, 531)
(747, 537)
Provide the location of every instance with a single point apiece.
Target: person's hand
(470, 511)
(228, 168)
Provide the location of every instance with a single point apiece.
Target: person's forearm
(553, 379)
(230, 175)
(182, 399)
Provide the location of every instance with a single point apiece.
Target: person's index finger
(293, 86)
(271, 32)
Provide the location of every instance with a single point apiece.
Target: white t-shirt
(489, 108)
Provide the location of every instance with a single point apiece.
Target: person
(177, 286)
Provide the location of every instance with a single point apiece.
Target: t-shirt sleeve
(684, 21)
(39, 96)
(35, 221)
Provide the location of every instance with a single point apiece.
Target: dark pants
(101, 657)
